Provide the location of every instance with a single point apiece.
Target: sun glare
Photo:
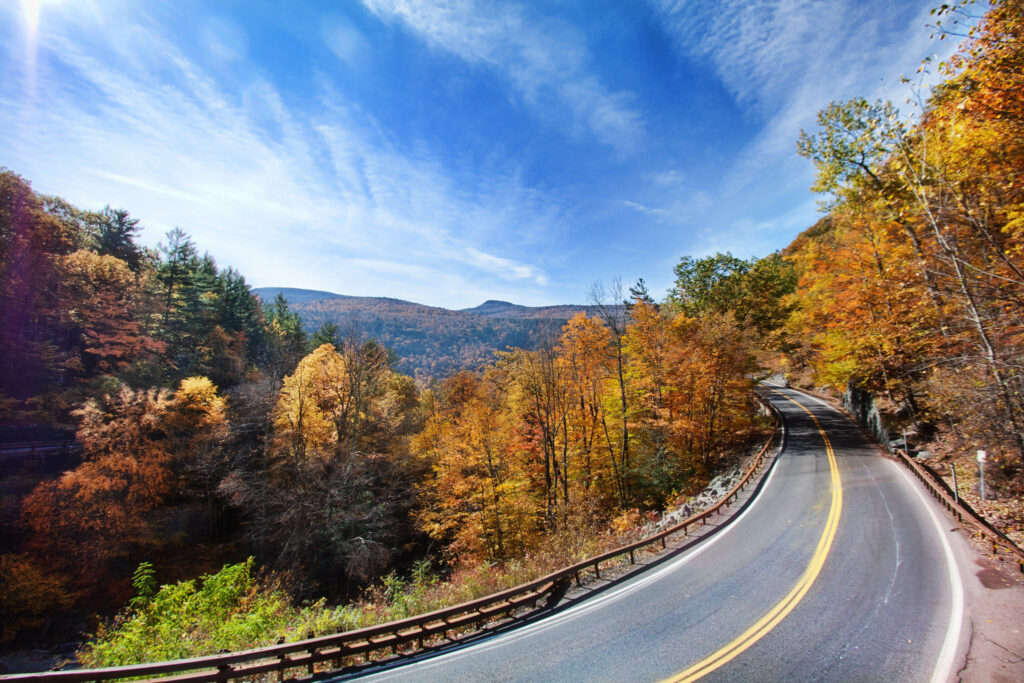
(31, 10)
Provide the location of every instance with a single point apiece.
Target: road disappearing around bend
(838, 570)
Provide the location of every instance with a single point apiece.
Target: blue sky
(444, 152)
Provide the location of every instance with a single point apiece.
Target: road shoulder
(992, 645)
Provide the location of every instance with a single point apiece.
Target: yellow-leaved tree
(479, 499)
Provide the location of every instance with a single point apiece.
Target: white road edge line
(956, 613)
(944, 665)
(587, 606)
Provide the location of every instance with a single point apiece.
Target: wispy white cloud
(755, 237)
(508, 267)
(321, 188)
(546, 61)
(672, 178)
(784, 60)
(345, 41)
(762, 49)
(673, 204)
(642, 208)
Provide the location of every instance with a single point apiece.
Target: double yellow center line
(779, 612)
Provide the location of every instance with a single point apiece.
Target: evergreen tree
(287, 343)
(114, 232)
(239, 310)
(327, 333)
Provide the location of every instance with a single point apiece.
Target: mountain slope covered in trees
(912, 287)
(429, 342)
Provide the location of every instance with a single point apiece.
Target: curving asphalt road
(839, 570)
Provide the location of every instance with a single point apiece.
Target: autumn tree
(90, 519)
(583, 349)
(610, 304)
(102, 297)
(539, 379)
(197, 428)
(651, 347)
(479, 498)
(935, 203)
(712, 377)
(30, 598)
(97, 516)
(31, 240)
(329, 402)
(332, 491)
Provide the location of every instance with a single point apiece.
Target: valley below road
(840, 569)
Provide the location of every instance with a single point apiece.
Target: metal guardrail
(34, 447)
(54, 445)
(337, 647)
(964, 513)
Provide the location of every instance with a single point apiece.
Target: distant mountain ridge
(430, 341)
(493, 307)
(504, 309)
(295, 295)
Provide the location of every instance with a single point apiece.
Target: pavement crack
(967, 654)
(1019, 657)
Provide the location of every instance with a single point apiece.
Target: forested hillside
(133, 350)
(429, 342)
(912, 287)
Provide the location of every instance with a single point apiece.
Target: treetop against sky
(445, 152)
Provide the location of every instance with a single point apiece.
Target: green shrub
(229, 610)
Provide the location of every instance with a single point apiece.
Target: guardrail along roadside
(979, 526)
